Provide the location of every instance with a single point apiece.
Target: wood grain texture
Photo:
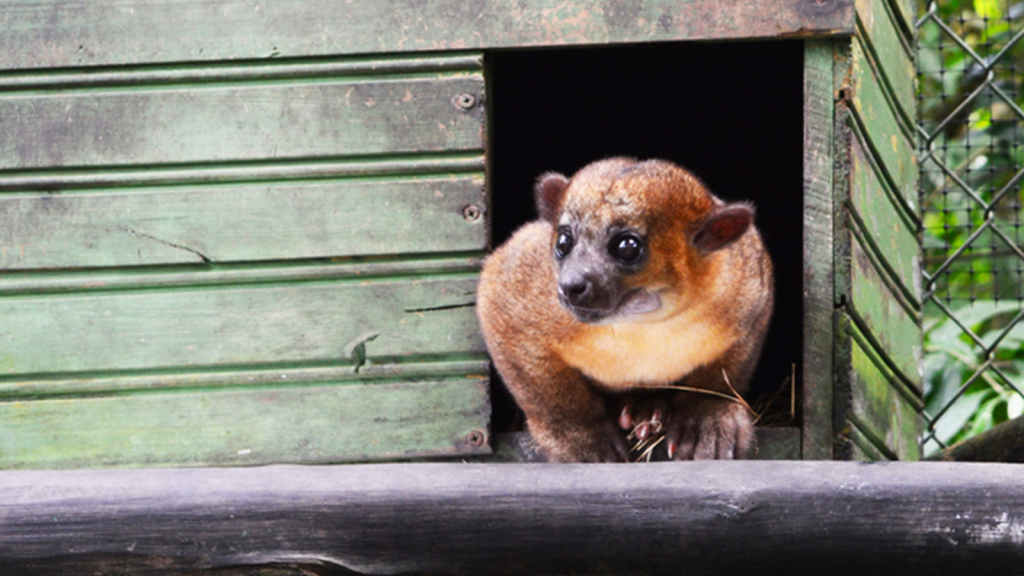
(711, 517)
(842, 353)
(243, 222)
(818, 251)
(244, 427)
(239, 121)
(113, 32)
(236, 325)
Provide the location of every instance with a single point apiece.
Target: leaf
(1014, 406)
(954, 420)
(988, 9)
(943, 377)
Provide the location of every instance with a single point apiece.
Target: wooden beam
(78, 33)
(695, 517)
(1003, 443)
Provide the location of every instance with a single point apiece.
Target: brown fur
(705, 266)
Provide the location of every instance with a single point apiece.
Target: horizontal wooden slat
(275, 221)
(110, 32)
(235, 172)
(192, 276)
(278, 69)
(261, 376)
(773, 443)
(882, 223)
(897, 333)
(878, 404)
(885, 136)
(246, 427)
(711, 517)
(234, 325)
(234, 122)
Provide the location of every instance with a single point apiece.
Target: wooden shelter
(248, 233)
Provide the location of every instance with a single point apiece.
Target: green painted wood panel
(43, 34)
(234, 326)
(888, 235)
(236, 263)
(891, 53)
(882, 407)
(242, 222)
(894, 331)
(249, 427)
(883, 134)
(324, 117)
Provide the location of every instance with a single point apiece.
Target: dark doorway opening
(732, 113)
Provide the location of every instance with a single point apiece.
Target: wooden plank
(17, 283)
(245, 222)
(885, 319)
(890, 52)
(905, 13)
(773, 443)
(111, 32)
(842, 447)
(239, 121)
(235, 325)
(247, 427)
(883, 406)
(781, 443)
(883, 226)
(817, 251)
(341, 371)
(877, 125)
(863, 449)
(266, 170)
(1002, 443)
(711, 517)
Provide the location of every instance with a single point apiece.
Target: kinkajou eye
(564, 243)
(627, 248)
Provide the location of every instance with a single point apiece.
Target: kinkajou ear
(723, 226)
(548, 193)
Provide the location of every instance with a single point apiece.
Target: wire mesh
(971, 133)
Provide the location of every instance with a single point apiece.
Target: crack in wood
(438, 308)
(356, 349)
(202, 256)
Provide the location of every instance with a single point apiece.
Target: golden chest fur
(633, 354)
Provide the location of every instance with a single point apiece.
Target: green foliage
(953, 360)
(971, 198)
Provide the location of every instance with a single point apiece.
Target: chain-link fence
(970, 56)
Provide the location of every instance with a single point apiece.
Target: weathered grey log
(1002, 443)
(692, 518)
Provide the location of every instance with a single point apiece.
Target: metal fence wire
(970, 55)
